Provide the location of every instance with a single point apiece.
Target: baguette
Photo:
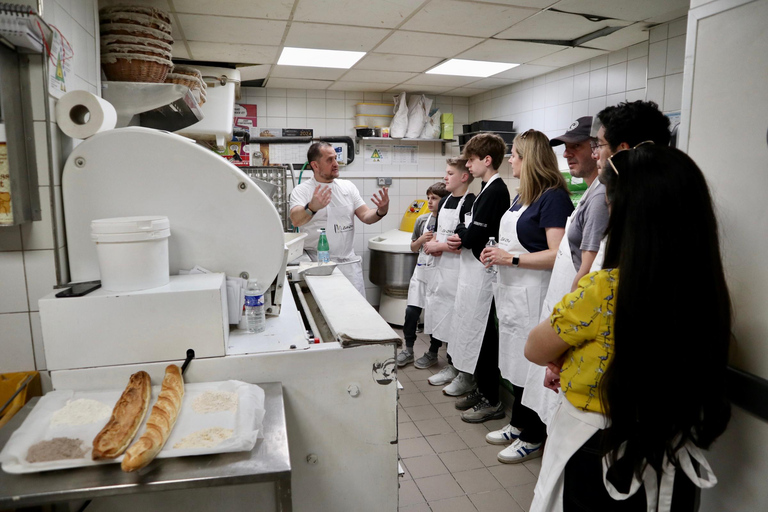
(160, 423)
(127, 415)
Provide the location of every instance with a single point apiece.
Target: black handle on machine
(190, 357)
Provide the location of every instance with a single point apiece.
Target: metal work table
(269, 461)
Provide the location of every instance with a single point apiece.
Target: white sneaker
(519, 451)
(504, 436)
(444, 376)
(462, 384)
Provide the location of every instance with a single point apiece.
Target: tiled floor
(448, 465)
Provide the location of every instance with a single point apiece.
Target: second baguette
(160, 423)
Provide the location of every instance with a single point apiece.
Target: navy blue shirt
(551, 210)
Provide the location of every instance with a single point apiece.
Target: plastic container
(376, 109)
(371, 121)
(132, 252)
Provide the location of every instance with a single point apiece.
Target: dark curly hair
(634, 123)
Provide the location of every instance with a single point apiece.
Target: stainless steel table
(269, 461)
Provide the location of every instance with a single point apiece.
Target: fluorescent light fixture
(313, 58)
(479, 68)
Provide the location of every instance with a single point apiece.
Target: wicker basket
(195, 84)
(133, 18)
(121, 67)
(127, 29)
(188, 70)
(136, 49)
(107, 41)
(141, 9)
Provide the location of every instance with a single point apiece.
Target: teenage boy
(474, 345)
(443, 277)
(423, 231)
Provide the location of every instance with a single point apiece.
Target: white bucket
(133, 252)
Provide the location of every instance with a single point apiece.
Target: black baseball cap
(579, 131)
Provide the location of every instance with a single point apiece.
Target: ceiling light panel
(357, 13)
(451, 17)
(474, 68)
(316, 58)
(334, 37)
(428, 45)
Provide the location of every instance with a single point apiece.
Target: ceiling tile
(465, 91)
(307, 72)
(509, 51)
(631, 10)
(491, 83)
(450, 17)
(540, 4)
(391, 62)
(160, 4)
(180, 51)
(293, 83)
(443, 80)
(423, 89)
(525, 71)
(230, 30)
(334, 37)
(567, 57)
(681, 12)
(269, 9)
(367, 75)
(358, 13)
(627, 36)
(555, 25)
(233, 53)
(360, 86)
(430, 45)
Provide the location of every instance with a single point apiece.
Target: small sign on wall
(59, 66)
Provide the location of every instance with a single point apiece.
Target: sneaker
(444, 376)
(425, 361)
(519, 451)
(483, 411)
(469, 401)
(504, 436)
(404, 357)
(462, 384)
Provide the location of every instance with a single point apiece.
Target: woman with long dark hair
(633, 341)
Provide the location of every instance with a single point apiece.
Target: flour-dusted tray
(246, 423)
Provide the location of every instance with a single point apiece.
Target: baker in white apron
(417, 287)
(340, 231)
(519, 294)
(443, 280)
(571, 428)
(474, 294)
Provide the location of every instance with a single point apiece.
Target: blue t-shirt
(551, 210)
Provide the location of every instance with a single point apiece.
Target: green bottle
(323, 251)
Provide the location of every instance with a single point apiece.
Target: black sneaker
(469, 401)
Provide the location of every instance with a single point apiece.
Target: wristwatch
(309, 210)
(515, 260)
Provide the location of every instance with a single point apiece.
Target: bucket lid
(130, 229)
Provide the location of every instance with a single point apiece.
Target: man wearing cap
(578, 248)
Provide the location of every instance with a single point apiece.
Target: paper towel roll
(81, 114)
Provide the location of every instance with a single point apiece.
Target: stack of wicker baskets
(135, 43)
(192, 78)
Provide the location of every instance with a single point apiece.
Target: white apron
(570, 429)
(417, 288)
(443, 278)
(472, 306)
(519, 293)
(340, 230)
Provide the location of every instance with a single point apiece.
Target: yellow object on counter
(414, 211)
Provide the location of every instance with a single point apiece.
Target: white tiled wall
(32, 256)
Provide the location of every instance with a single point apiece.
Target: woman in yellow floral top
(630, 433)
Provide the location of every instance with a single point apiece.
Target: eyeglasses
(613, 166)
(595, 145)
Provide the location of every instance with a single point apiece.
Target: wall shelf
(442, 142)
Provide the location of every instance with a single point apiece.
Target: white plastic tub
(371, 121)
(375, 109)
(132, 252)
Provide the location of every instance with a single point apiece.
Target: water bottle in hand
(323, 251)
(491, 243)
(254, 308)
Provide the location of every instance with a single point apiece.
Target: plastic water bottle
(254, 308)
(323, 251)
(491, 243)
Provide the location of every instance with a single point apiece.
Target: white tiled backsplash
(30, 255)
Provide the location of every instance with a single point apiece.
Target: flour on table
(215, 401)
(206, 438)
(81, 412)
